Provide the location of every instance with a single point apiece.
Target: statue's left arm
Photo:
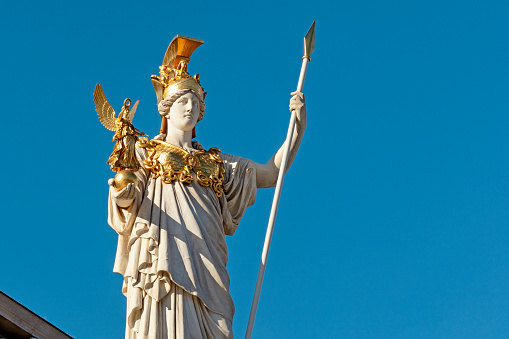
(266, 174)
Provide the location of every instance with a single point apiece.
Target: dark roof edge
(43, 321)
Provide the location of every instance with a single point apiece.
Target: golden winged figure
(123, 157)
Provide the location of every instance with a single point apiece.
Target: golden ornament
(123, 178)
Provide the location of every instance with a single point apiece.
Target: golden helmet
(173, 75)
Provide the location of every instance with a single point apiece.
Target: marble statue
(173, 213)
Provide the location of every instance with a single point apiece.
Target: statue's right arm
(124, 204)
(124, 197)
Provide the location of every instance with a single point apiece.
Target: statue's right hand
(124, 197)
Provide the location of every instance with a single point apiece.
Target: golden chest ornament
(174, 163)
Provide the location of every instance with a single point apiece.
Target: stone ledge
(20, 321)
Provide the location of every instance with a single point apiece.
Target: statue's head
(174, 85)
(183, 109)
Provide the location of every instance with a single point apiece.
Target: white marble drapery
(172, 253)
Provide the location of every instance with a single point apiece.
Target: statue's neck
(179, 138)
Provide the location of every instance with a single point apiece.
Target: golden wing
(103, 108)
(133, 110)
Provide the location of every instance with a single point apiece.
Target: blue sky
(394, 217)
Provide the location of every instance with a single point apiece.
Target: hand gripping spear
(309, 46)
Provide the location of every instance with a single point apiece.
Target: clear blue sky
(394, 217)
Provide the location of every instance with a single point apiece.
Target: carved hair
(164, 110)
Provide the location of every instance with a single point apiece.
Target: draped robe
(172, 252)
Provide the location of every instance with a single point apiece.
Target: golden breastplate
(174, 163)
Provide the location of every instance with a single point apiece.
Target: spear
(309, 46)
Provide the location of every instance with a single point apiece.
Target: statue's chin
(122, 178)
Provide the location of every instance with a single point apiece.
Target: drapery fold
(172, 239)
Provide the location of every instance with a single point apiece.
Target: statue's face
(184, 112)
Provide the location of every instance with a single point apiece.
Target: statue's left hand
(267, 174)
(298, 104)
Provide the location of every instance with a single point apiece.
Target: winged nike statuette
(123, 158)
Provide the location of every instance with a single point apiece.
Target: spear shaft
(309, 46)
